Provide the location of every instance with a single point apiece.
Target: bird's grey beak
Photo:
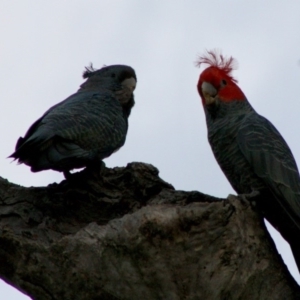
(129, 83)
(209, 92)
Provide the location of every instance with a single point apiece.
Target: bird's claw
(250, 197)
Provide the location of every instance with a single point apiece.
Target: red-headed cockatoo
(250, 151)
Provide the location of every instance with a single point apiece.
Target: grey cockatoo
(86, 127)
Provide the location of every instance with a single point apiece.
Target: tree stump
(125, 233)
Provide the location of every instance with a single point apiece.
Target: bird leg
(250, 197)
(67, 174)
(96, 167)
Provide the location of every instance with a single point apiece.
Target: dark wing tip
(19, 143)
(13, 155)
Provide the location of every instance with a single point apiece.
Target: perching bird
(250, 151)
(86, 127)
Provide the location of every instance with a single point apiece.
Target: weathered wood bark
(127, 234)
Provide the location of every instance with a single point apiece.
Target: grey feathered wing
(272, 160)
(86, 126)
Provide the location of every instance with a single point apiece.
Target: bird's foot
(96, 169)
(67, 175)
(250, 197)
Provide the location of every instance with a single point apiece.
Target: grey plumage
(250, 151)
(255, 157)
(86, 127)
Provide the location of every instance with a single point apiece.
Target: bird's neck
(224, 115)
(221, 110)
(128, 105)
(122, 94)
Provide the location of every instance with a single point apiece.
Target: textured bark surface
(127, 234)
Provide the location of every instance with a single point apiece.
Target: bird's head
(216, 83)
(119, 79)
(114, 76)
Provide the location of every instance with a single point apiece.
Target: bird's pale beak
(129, 83)
(209, 92)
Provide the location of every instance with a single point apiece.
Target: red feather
(219, 69)
(215, 59)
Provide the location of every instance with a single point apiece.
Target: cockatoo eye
(223, 82)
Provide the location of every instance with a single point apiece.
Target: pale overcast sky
(46, 44)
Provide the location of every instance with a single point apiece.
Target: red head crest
(215, 59)
(218, 74)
